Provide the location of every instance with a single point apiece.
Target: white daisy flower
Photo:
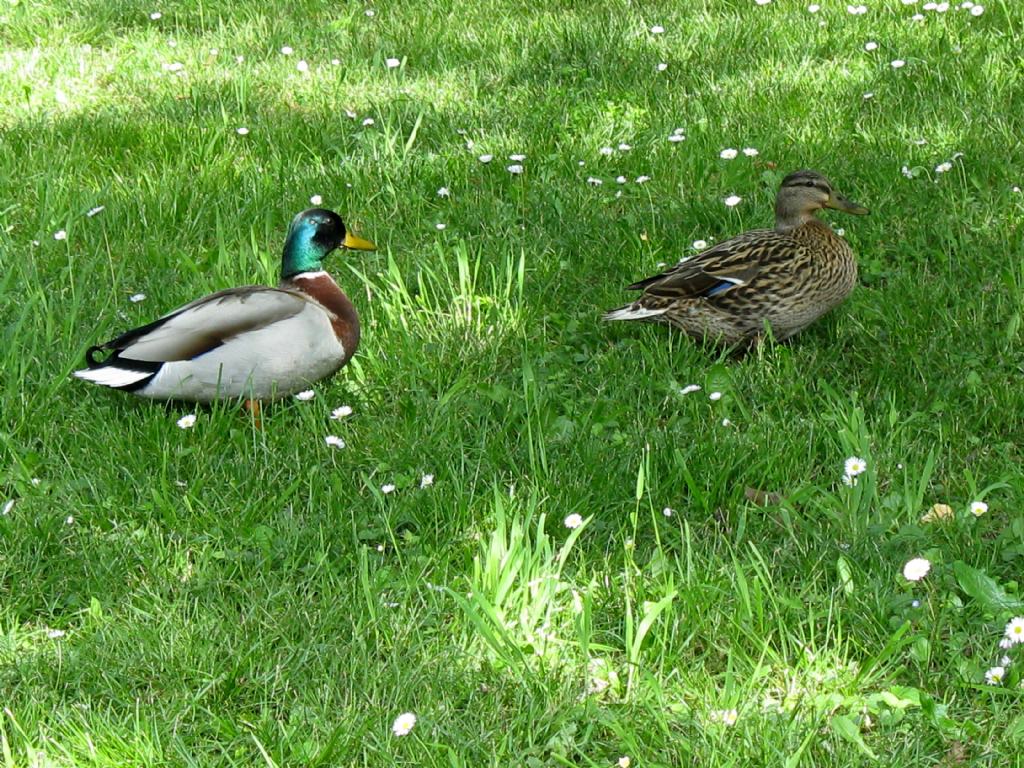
(515, 169)
(854, 466)
(387, 488)
(662, 66)
(155, 15)
(93, 211)
(917, 17)
(36, 482)
(750, 152)
(517, 158)
(403, 724)
(187, 422)
(916, 569)
(667, 511)
(849, 481)
(485, 158)
(606, 151)
(8, 506)
(657, 29)
(573, 521)
(856, 10)
(594, 182)
(994, 675)
(870, 45)
(444, 192)
(813, 8)
(392, 62)
(868, 96)
(714, 396)
(624, 147)
(368, 121)
(1015, 630)
(897, 63)
(341, 412)
(370, 13)
(69, 520)
(726, 423)
(977, 10)
(733, 200)
(840, 231)
(762, 2)
(642, 179)
(239, 59)
(943, 167)
(690, 388)
(621, 179)
(724, 716)
(700, 245)
(335, 62)
(55, 634)
(978, 508)
(316, 200)
(287, 50)
(305, 395)
(426, 481)
(624, 762)
(440, 226)
(302, 66)
(1006, 643)
(60, 234)
(727, 154)
(333, 441)
(242, 131)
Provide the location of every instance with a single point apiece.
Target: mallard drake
(786, 277)
(255, 342)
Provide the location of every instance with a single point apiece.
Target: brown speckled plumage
(787, 277)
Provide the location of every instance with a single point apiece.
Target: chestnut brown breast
(321, 287)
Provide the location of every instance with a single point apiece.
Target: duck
(786, 277)
(253, 342)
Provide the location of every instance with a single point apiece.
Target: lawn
(533, 539)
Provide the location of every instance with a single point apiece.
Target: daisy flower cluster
(1013, 636)
(853, 467)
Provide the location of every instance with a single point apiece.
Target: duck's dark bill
(357, 243)
(840, 203)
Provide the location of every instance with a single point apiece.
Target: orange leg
(256, 411)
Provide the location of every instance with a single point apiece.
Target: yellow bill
(358, 243)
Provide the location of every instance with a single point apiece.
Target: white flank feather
(109, 376)
(633, 313)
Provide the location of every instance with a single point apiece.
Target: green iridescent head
(313, 234)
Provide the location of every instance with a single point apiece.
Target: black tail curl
(90, 357)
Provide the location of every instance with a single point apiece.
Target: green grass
(232, 596)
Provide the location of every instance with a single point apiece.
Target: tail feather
(118, 373)
(634, 312)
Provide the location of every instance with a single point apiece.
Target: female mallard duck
(254, 342)
(787, 277)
